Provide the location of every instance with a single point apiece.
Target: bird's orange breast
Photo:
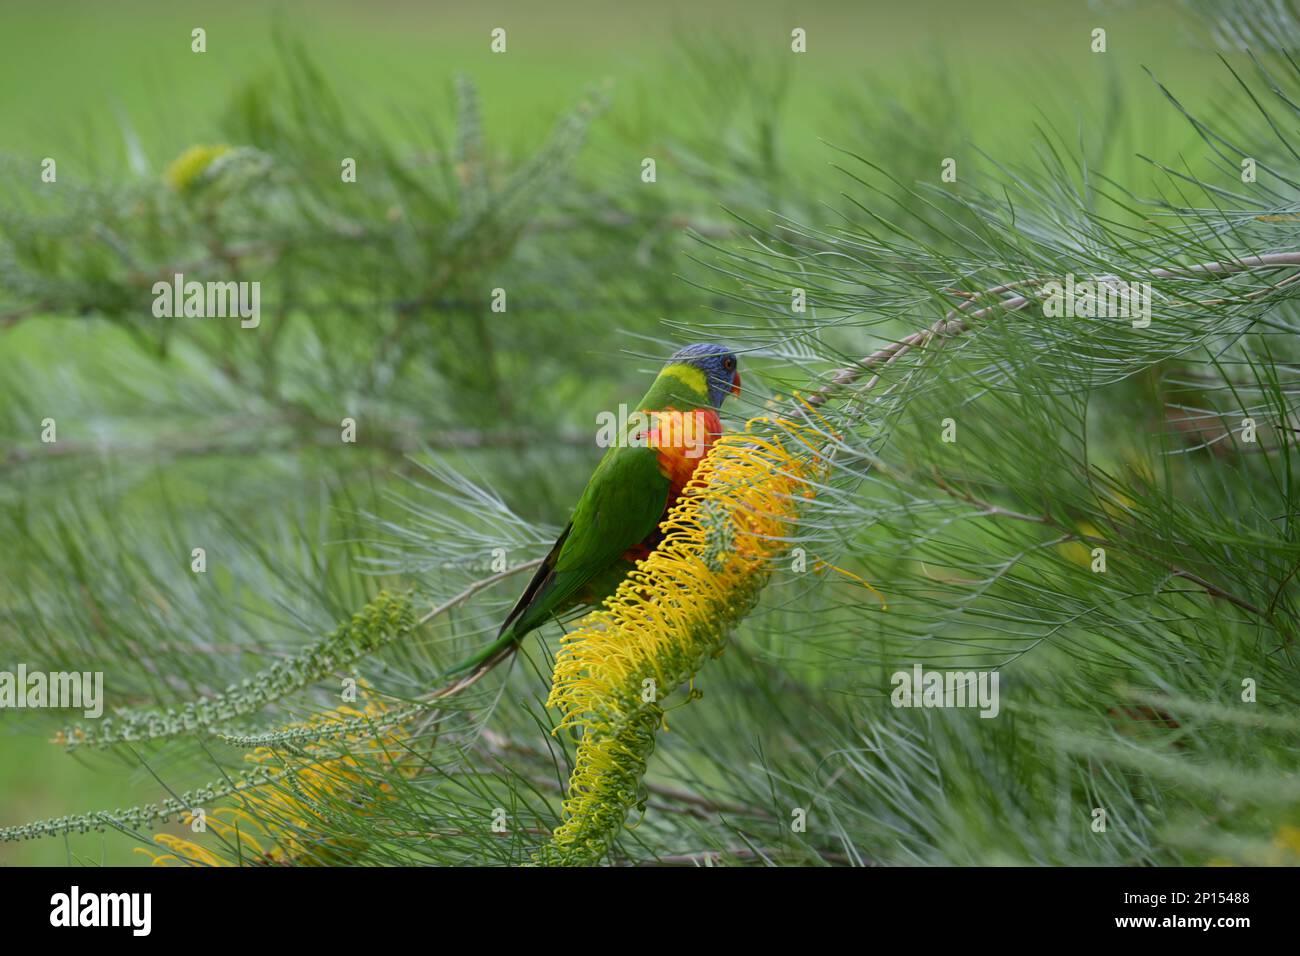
(681, 440)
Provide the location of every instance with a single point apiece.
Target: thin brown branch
(958, 319)
(479, 672)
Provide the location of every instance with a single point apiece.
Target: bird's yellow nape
(690, 376)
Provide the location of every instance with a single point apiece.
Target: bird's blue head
(718, 365)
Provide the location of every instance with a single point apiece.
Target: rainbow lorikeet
(616, 521)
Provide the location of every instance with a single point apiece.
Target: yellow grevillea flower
(274, 823)
(720, 544)
(187, 168)
(231, 824)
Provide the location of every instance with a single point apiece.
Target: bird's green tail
(507, 637)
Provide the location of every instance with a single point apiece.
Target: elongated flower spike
(674, 611)
(385, 620)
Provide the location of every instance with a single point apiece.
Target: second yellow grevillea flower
(275, 823)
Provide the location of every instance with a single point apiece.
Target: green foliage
(1121, 690)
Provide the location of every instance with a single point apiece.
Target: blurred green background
(75, 75)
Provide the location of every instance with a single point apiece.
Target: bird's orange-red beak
(735, 385)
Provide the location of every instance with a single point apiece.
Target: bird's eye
(729, 363)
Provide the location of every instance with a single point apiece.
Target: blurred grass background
(72, 72)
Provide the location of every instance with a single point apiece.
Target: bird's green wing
(623, 503)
